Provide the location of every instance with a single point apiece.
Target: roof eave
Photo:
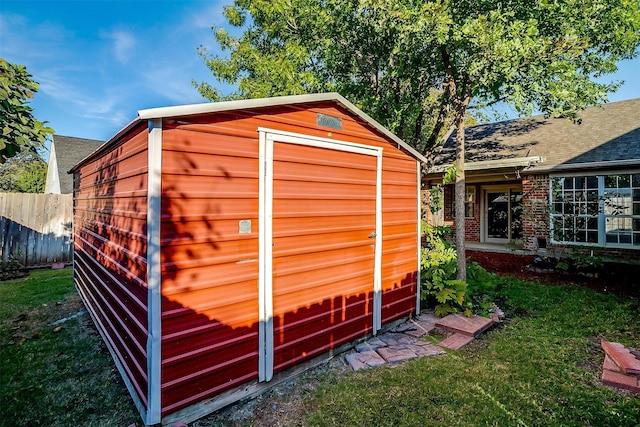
(487, 165)
(213, 107)
(564, 167)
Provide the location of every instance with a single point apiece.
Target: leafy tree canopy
(25, 172)
(417, 66)
(18, 127)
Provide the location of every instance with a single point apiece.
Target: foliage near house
(24, 173)
(19, 129)
(441, 289)
(417, 66)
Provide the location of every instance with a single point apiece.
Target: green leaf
(20, 129)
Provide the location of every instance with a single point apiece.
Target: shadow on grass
(55, 375)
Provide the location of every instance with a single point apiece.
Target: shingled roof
(65, 152)
(608, 135)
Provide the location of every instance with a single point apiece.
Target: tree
(307, 46)
(18, 127)
(419, 66)
(25, 172)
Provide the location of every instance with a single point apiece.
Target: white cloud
(206, 17)
(123, 44)
(102, 106)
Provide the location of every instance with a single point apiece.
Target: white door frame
(267, 139)
(484, 217)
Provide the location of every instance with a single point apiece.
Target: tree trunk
(460, 190)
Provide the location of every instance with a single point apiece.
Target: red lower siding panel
(107, 305)
(204, 385)
(401, 300)
(196, 366)
(314, 330)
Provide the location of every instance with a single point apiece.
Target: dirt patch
(501, 262)
(283, 405)
(29, 324)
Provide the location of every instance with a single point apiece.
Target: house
(65, 152)
(541, 183)
(220, 247)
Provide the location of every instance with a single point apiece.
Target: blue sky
(99, 62)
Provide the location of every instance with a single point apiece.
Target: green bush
(12, 269)
(440, 287)
(482, 289)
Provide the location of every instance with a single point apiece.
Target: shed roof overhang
(214, 107)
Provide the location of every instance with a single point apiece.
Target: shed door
(321, 262)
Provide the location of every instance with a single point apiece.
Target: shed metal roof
(215, 107)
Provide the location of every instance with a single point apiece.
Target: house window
(469, 202)
(600, 210)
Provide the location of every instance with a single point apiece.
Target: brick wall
(472, 225)
(535, 216)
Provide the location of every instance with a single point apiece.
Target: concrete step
(470, 326)
(622, 357)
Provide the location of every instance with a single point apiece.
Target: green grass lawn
(58, 375)
(541, 367)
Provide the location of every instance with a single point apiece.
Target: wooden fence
(36, 229)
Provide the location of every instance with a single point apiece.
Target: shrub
(439, 284)
(12, 269)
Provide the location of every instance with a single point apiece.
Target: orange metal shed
(220, 246)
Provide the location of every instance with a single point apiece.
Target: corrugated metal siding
(322, 277)
(110, 245)
(399, 247)
(209, 270)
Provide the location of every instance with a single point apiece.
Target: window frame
(466, 203)
(595, 224)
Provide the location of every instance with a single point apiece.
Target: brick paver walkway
(405, 341)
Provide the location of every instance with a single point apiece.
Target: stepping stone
(471, 326)
(364, 360)
(622, 357)
(610, 365)
(365, 346)
(612, 376)
(456, 341)
(418, 328)
(376, 342)
(396, 354)
(427, 318)
(391, 339)
(425, 349)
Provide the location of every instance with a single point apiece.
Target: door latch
(372, 235)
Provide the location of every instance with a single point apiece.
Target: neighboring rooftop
(608, 133)
(65, 152)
